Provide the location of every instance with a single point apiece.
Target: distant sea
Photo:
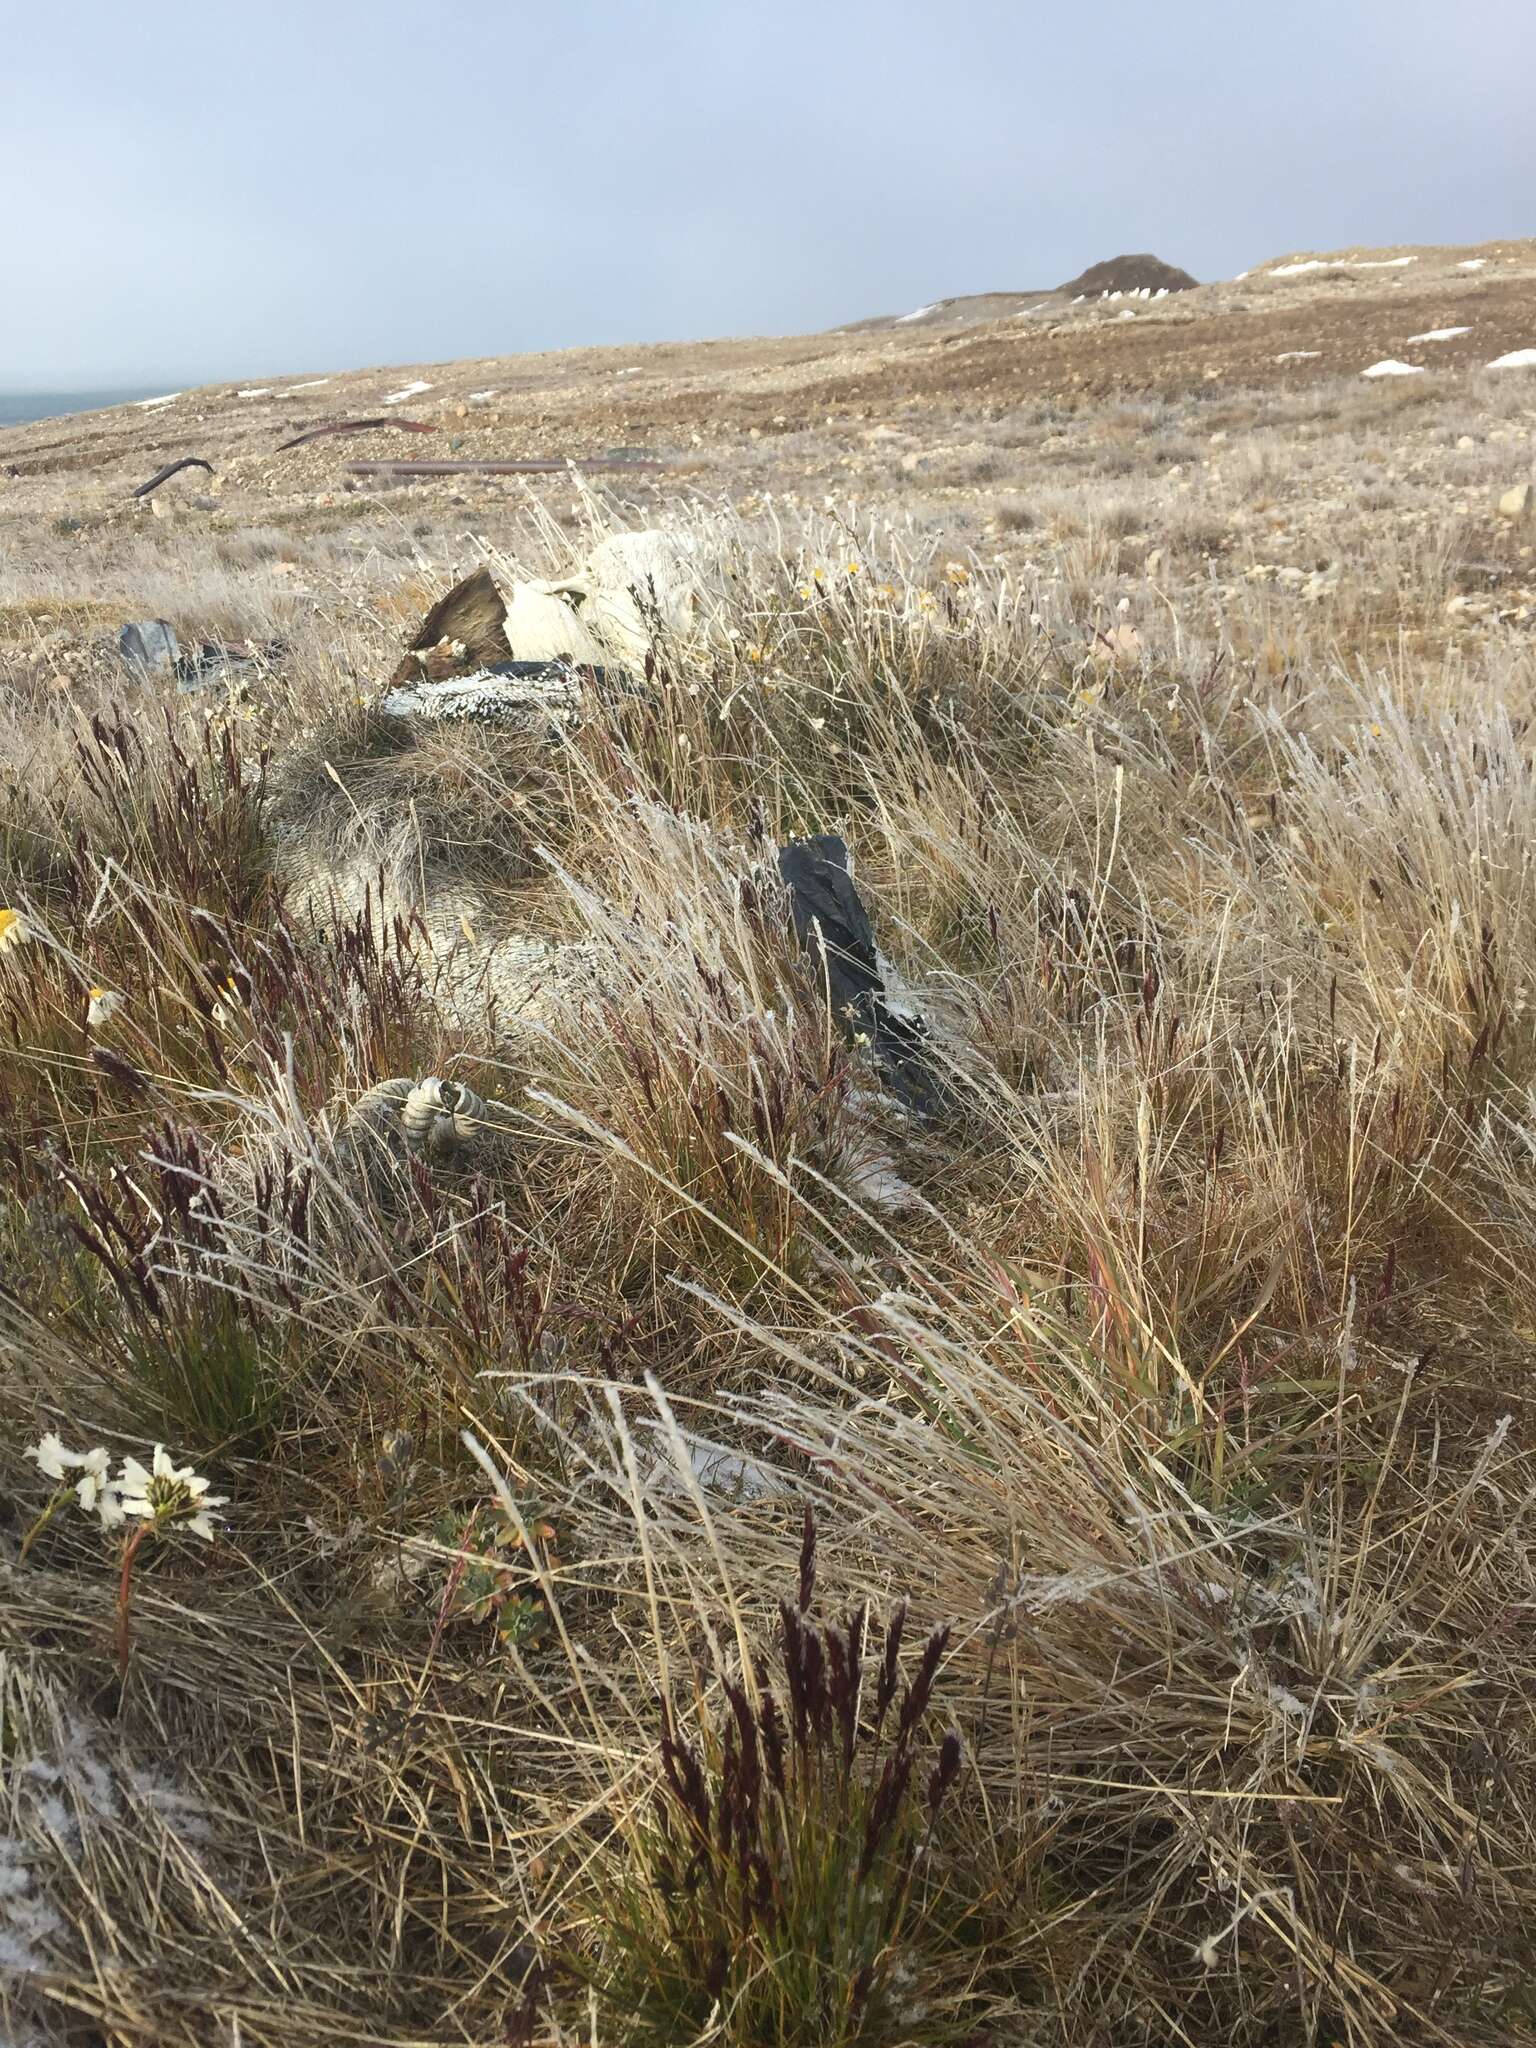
(18, 407)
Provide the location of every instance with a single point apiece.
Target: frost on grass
(77, 1808)
(28, 1923)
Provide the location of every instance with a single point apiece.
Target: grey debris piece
(511, 693)
(834, 928)
(149, 644)
(150, 648)
(717, 1470)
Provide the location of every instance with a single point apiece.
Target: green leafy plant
(492, 1581)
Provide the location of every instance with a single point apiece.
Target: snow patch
(1517, 359)
(256, 391)
(1390, 367)
(1440, 334)
(1472, 263)
(144, 404)
(1298, 355)
(902, 318)
(1340, 263)
(311, 384)
(409, 391)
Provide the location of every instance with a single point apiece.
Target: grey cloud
(206, 191)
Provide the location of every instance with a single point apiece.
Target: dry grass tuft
(1172, 1359)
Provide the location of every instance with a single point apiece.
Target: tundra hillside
(670, 1524)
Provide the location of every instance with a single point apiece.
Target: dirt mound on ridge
(1131, 274)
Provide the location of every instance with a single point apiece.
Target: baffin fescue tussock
(1139, 1413)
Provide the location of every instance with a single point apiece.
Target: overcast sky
(210, 190)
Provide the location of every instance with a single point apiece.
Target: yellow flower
(225, 1011)
(853, 568)
(13, 930)
(956, 573)
(885, 590)
(755, 653)
(806, 591)
(819, 575)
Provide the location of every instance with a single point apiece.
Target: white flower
(135, 1483)
(50, 1456)
(103, 1007)
(167, 1496)
(96, 1492)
